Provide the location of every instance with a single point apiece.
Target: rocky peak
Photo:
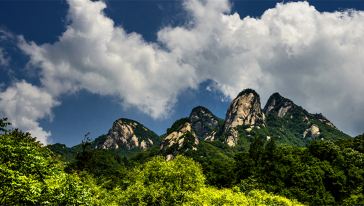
(281, 106)
(245, 110)
(180, 140)
(324, 120)
(128, 134)
(203, 122)
(278, 105)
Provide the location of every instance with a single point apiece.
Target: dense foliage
(30, 175)
(322, 174)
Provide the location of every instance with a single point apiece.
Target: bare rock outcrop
(181, 140)
(204, 123)
(324, 120)
(128, 134)
(278, 105)
(245, 110)
(313, 132)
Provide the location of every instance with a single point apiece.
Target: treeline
(325, 173)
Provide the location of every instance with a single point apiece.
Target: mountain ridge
(280, 119)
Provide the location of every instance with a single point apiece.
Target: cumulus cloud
(25, 104)
(312, 57)
(4, 59)
(95, 55)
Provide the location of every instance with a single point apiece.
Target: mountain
(278, 105)
(128, 134)
(180, 138)
(186, 133)
(280, 119)
(245, 110)
(292, 124)
(204, 123)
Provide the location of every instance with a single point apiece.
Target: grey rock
(278, 105)
(245, 110)
(203, 123)
(124, 134)
(182, 140)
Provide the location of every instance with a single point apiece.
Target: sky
(69, 67)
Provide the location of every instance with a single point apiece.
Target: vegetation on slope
(324, 173)
(31, 174)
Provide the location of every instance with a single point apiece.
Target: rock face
(204, 123)
(245, 110)
(323, 119)
(312, 132)
(185, 134)
(278, 105)
(181, 140)
(129, 134)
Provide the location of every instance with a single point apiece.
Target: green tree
(161, 182)
(29, 175)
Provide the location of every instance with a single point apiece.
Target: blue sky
(69, 113)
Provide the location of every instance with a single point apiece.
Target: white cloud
(25, 104)
(4, 59)
(95, 55)
(313, 57)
